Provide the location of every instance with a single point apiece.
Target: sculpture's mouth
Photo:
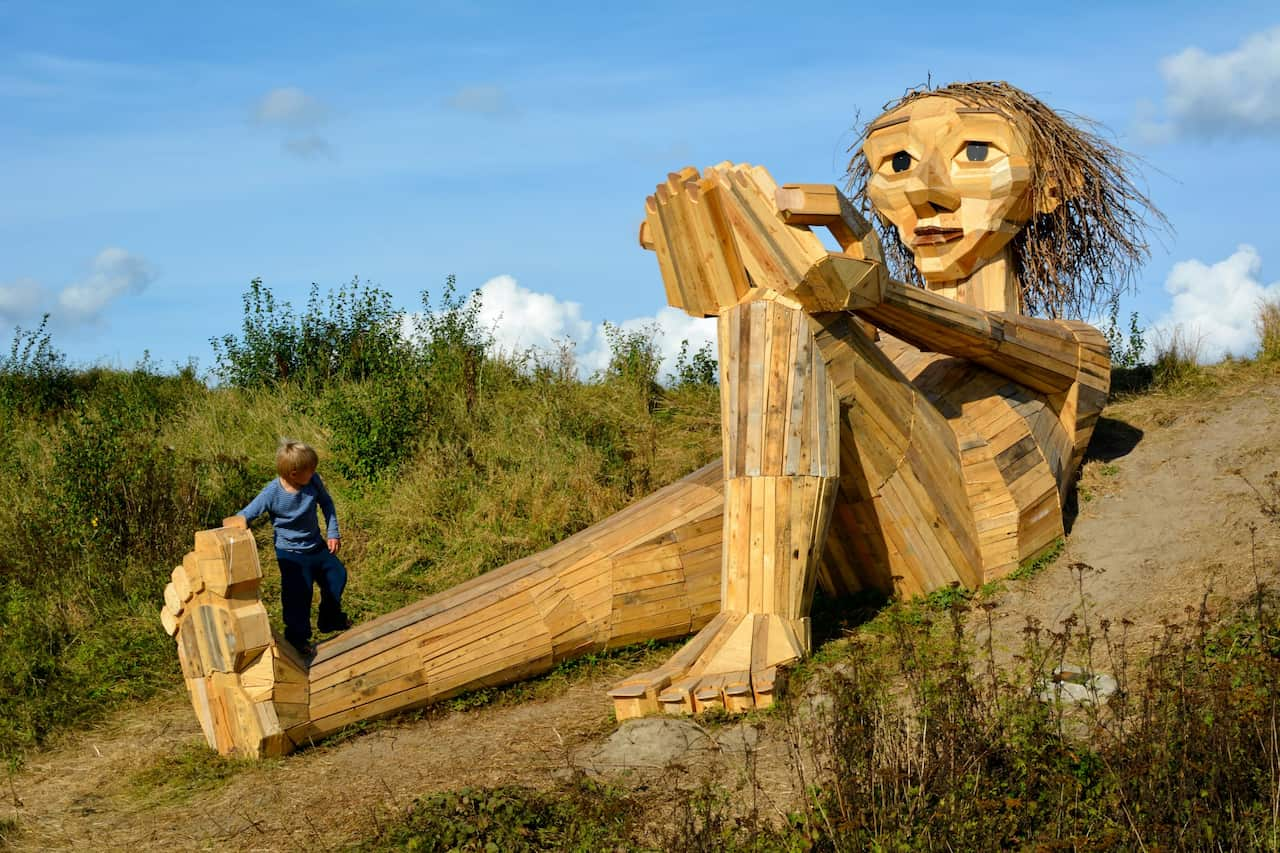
(931, 235)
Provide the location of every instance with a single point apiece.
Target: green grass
(921, 747)
(189, 770)
(581, 817)
(105, 475)
(1032, 566)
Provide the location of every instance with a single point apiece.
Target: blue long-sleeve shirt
(293, 514)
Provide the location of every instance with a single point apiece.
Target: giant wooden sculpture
(875, 433)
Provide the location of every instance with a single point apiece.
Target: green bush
(34, 376)
(700, 369)
(353, 333)
(1126, 352)
(583, 818)
(1268, 325)
(376, 424)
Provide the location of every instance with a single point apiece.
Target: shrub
(452, 344)
(34, 376)
(699, 369)
(1126, 352)
(375, 424)
(1268, 325)
(633, 355)
(583, 818)
(353, 333)
(1177, 361)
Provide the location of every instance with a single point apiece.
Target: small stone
(649, 742)
(1077, 685)
(740, 739)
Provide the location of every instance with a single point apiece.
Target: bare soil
(1166, 517)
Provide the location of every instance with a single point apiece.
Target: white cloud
(299, 116)
(1210, 95)
(20, 300)
(521, 320)
(485, 100)
(114, 273)
(1216, 304)
(672, 327)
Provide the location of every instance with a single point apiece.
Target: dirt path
(1166, 517)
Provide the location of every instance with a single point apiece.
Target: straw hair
(293, 456)
(1089, 248)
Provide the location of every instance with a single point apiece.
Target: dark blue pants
(299, 571)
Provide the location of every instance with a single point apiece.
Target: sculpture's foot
(246, 687)
(730, 664)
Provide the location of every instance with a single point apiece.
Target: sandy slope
(1167, 520)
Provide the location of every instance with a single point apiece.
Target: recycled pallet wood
(874, 434)
(650, 571)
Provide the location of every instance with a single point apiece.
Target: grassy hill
(443, 463)
(910, 728)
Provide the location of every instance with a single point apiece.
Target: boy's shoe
(342, 623)
(306, 648)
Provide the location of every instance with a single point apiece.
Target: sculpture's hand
(825, 205)
(722, 233)
(846, 281)
(685, 226)
(840, 282)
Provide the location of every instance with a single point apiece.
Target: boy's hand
(236, 521)
(334, 545)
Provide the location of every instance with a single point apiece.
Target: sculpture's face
(954, 180)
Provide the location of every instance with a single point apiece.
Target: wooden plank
(766, 264)
(763, 587)
(691, 293)
(666, 268)
(690, 244)
(752, 602)
(716, 244)
(364, 693)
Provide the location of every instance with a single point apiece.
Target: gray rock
(649, 742)
(739, 739)
(1074, 684)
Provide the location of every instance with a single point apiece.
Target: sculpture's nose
(930, 191)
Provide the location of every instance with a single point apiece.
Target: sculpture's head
(957, 174)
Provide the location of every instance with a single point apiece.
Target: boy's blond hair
(293, 456)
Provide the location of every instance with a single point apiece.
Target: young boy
(305, 556)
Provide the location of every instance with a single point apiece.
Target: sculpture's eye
(901, 161)
(975, 152)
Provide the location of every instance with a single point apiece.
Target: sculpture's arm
(728, 231)
(1046, 355)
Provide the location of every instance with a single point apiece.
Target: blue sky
(155, 157)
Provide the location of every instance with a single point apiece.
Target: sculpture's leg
(649, 572)
(904, 521)
(780, 424)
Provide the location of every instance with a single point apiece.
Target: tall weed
(1177, 360)
(1267, 322)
